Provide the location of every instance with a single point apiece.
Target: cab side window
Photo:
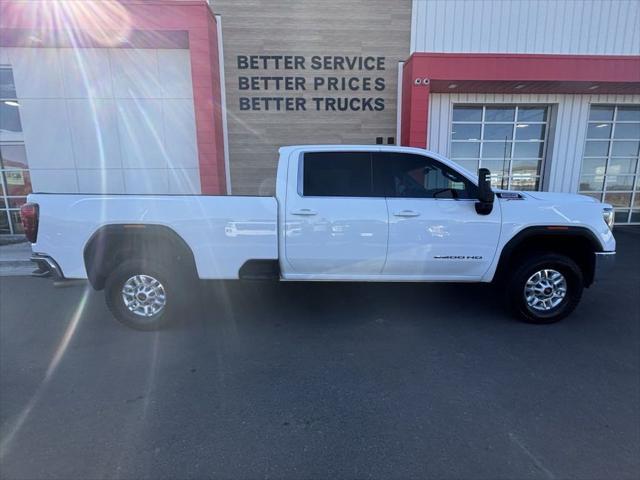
(407, 175)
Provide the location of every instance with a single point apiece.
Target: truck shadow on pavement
(345, 303)
(220, 304)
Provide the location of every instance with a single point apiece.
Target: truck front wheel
(141, 295)
(545, 288)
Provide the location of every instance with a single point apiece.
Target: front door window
(416, 176)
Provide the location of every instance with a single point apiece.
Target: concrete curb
(16, 269)
(11, 240)
(16, 263)
(14, 260)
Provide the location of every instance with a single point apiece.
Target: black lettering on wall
(350, 76)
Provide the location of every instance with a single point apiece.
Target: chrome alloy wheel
(545, 290)
(144, 295)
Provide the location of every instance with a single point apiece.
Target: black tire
(116, 303)
(526, 268)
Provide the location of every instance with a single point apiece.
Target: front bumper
(47, 267)
(604, 263)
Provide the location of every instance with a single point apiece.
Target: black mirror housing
(484, 205)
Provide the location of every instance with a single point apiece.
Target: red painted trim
(213, 146)
(521, 55)
(407, 99)
(26, 37)
(501, 73)
(139, 24)
(415, 106)
(535, 68)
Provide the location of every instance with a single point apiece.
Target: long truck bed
(223, 232)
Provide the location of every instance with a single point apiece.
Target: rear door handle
(407, 213)
(305, 212)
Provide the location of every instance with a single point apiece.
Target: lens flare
(107, 24)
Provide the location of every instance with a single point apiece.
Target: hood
(560, 197)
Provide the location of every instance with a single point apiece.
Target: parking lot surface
(268, 380)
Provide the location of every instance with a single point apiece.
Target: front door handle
(407, 213)
(305, 212)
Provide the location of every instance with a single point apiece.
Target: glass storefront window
(611, 161)
(465, 149)
(14, 157)
(7, 84)
(499, 114)
(16, 185)
(498, 131)
(599, 130)
(15, 181)
(466, 131)
(509, 140)
(467, 114)
(4, 223)
(601, 113)
(532, 114)
(528, 131)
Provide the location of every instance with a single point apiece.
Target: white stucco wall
(107, 120)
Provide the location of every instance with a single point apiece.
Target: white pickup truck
(341, 213)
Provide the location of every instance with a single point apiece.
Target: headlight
(608, 216)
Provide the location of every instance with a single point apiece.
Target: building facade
(195, 97)
(108, 97)
(303, 71)
(543, 93)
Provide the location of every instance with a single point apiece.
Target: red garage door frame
(425, 73)
(134, 24)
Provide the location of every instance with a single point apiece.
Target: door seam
(386, 253)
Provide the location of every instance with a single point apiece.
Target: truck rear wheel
(545, 288)
(141, 295)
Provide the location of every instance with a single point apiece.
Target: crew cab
(340, 213)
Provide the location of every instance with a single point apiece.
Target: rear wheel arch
(577, 243)
(113, 244)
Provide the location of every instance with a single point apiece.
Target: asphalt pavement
(268, 380)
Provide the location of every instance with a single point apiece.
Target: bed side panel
(222, 232)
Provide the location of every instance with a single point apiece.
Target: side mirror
(484, 205)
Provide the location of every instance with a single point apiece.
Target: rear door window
(337, 174)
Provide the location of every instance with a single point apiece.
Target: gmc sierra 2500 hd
(341, 213)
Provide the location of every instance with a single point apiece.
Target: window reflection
(15, 181)
(10, 117)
